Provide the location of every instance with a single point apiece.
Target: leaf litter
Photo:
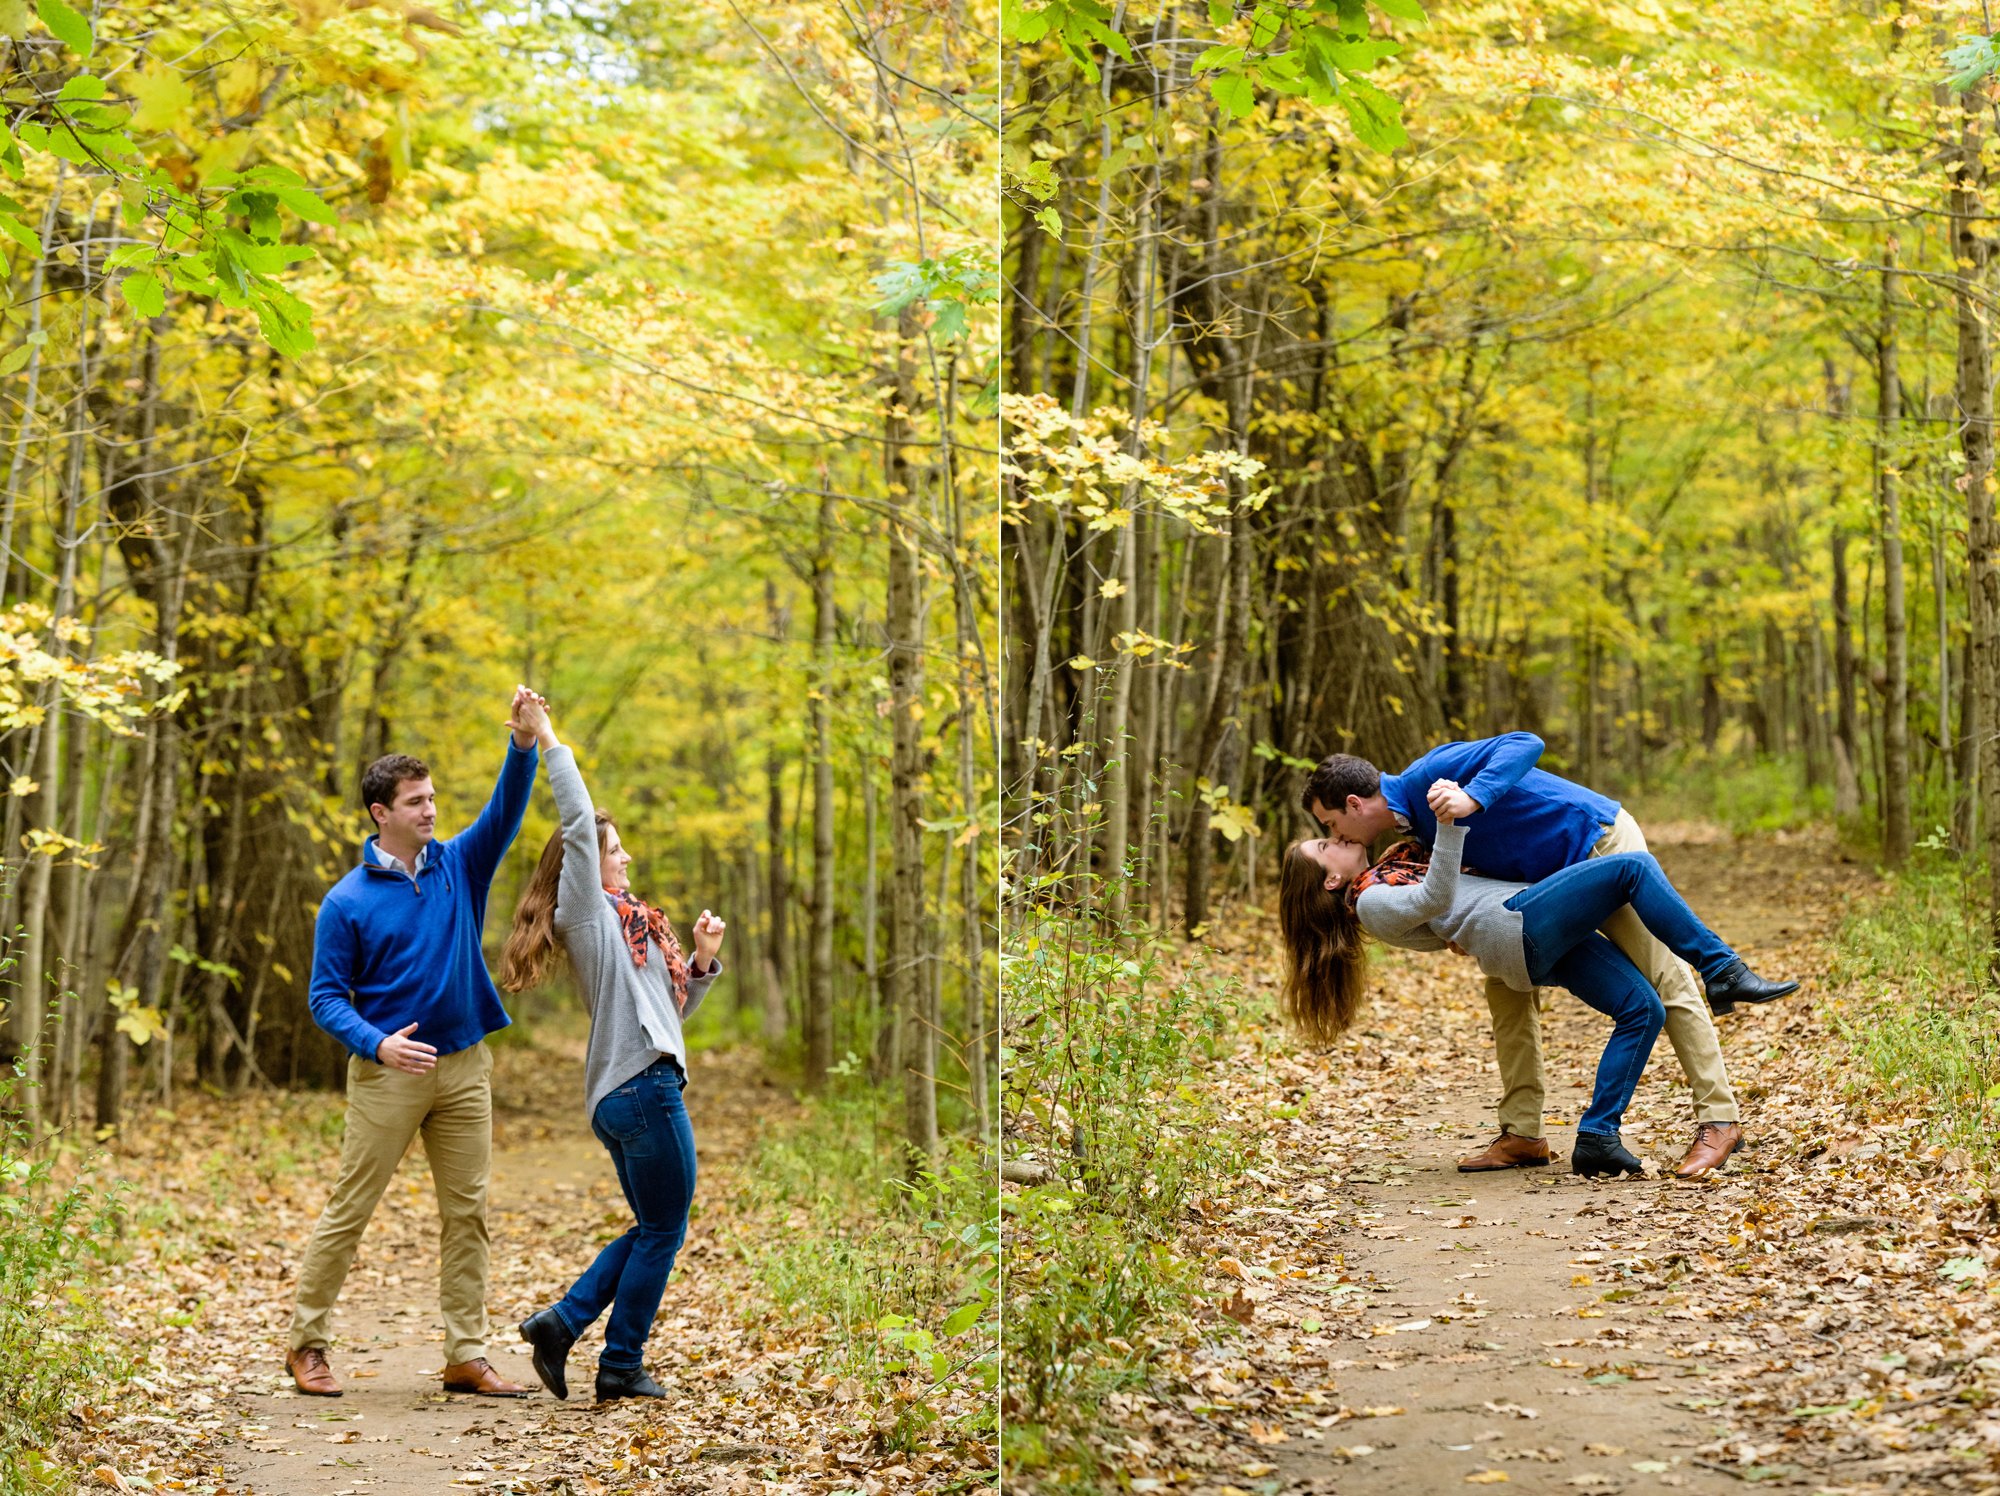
(222, 1197)
(1826, 1312)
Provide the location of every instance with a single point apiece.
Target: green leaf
(14, 362)
(1220, 12)
(1403, 10)
(1218, 57)
(963, 1318)
(82, 86)
(308, 205)
(20, 233)
(950, 323)
(1233, 93)
(69, 28)
(14, 18)
(1377, 118)
(144, 291)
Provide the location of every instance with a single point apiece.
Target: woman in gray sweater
(1527, 935)
(638, 987)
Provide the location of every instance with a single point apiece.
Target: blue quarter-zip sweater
(389, 951)
(1533, 823)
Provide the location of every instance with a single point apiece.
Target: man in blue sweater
(399, 979)
(1525, 824)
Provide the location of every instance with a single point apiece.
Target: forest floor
(224, 1197)
(1374, 1321)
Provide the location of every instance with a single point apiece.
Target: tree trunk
(909, 986)
(1896, 829)
(777, 963)
(819, 984)
(1975, 435)
(1847, 732)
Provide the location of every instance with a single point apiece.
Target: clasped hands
(1449, 803)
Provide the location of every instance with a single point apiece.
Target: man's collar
(383, 857)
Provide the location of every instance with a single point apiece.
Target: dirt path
(222, 1195)
(553, 1198)
(1412, 1329)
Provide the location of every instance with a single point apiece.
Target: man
(399, 979)
(1526, 824)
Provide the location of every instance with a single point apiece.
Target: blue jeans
(645, 1128)
(1559, 920)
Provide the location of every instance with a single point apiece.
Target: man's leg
(384, 1109)
(1690, 1028)
(458, 1138)
(1517, 1049)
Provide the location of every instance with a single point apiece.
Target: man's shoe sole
(305, 1391)
(1526, 1163)
(475, 1392)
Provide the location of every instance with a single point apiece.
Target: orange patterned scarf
(1405, 862)
(642, 922)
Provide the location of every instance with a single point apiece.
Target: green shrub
(1105, 1044)
(53, 1344)
(1916, 1004)
(904, 1272)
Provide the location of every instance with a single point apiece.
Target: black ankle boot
(551, 1339)
(1602, 1153)
(614, 1382)
(1739, 984)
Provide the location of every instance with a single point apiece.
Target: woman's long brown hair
(1327, 969)
(532, 940)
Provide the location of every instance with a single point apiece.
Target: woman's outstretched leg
(1565, 907)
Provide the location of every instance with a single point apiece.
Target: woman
(1527, 935)
(638, 988)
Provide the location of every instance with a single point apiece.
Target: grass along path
(223, 1198)
(1374, 1321)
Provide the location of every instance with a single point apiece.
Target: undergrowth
(1915, 1003)
(903, 1271)
(54, 1347)
(1105, 1044)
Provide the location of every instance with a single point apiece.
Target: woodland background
(1633, 389)
(1381, 375)
(649, 363)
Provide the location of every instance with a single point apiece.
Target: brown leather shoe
(478, 1375)
(1508, 1151)
(310, 1373)
(1713, 1143)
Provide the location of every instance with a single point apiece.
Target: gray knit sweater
(1450, 906)
(616, 991)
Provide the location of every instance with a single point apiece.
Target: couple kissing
(400, 980)
(1544, 883)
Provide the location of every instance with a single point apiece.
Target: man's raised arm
(1486, 769)
(488, 838)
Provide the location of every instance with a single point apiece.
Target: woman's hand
(1450, 803)
(531, 716)
(708, 933)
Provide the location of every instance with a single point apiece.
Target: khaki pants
(1517, 1029)
(453, 1107)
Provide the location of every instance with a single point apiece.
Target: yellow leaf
(163, 96)
(22, 785)
(1082, 662)
(1486, 1478)
(1112, 588)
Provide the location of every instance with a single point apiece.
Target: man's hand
(708, 932)
(1450, 803)
(400, 1052)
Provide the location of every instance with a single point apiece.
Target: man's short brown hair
(382, 779)
(1338, 776)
